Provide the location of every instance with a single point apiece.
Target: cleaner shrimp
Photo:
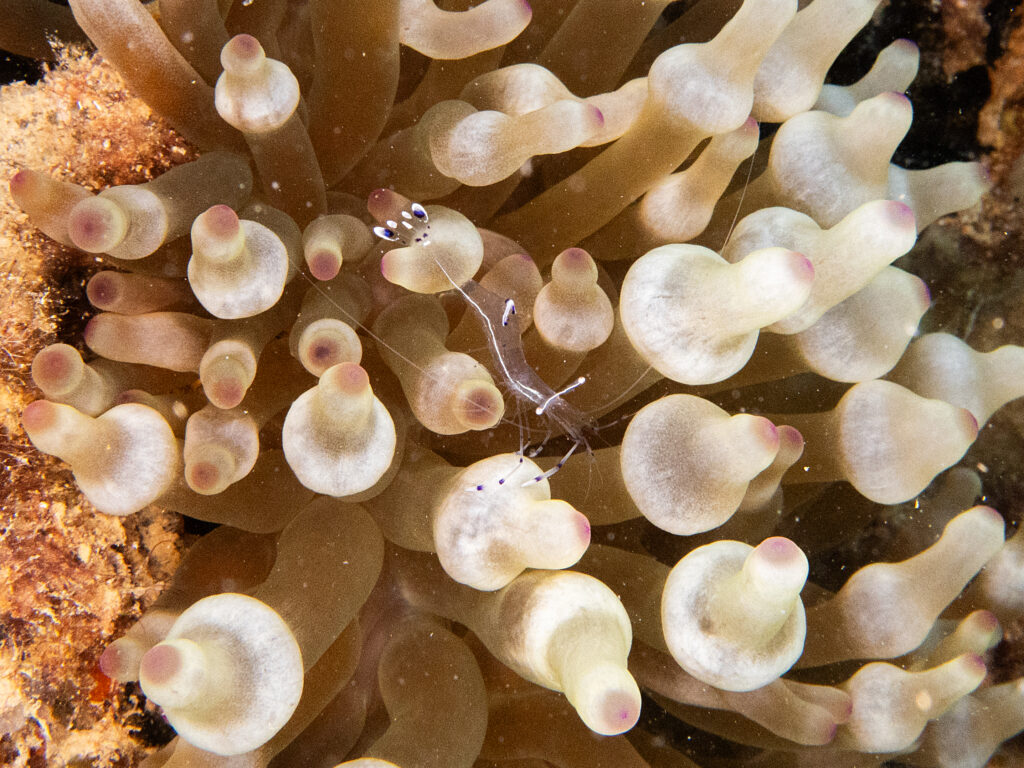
(499, 322)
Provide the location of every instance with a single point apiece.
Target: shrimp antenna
(739, 205)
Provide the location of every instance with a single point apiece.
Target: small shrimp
(505, 342)
(500, 324)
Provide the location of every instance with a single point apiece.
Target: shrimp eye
(419, 211)
(384, 233)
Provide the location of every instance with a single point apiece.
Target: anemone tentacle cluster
(441, 301)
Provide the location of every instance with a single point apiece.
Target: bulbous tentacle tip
(574, 256)
(38, 415)
(909, 46)
(323, 265)
(347, 378)
(21, 183)
(973, 665)
(901, 215)
(583, 527)
(802, 268)
(781, 562)
(384, 204)
(120, 660)
(321, 354)
(779, 551)
(92, 330)
(376, 197)
(202, 475)
(160, 663)
(986, 621)
(970, 426)
(573, 263)
(845, 713)
(897, 99)
(102, 289)
(789, 437)
(830, 731)
(991, 515)
(616, 712)
(241, 54)
(219, 222)
(211, 473)
(96, 225)
(54, 368)
(110, 660)
(226, 393)
(481, 405)
(767, 433)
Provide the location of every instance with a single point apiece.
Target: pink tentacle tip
(789, 436)
(20, 182)
(112, 662)
(322, 351)
(38, 415)
(102, 290)
(970, 423)
(349, 378)
(129, 396)
(925, 295)
(974, 664)
(203, 476)
(52, 365)
(160, 663)
(907, 45)
(778, 550)
(619, 711)
(901, 215)
(390, 266)
(227, 393)
(90, 225)
(843, 715)
(221, 221)
(995, 517)
(897, 98)
(92, 328)
(323, 265)
(768, 433)
(598, 116)
(583, 527)
(575, 258)
(803, 268)
(245, 46)
(381, 203)
(986, 620)
(832, 729)
(481, 405)
(527, 9)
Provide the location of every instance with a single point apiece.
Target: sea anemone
(437, 296)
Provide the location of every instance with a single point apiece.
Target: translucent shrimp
(504, 340)
(499, 322)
